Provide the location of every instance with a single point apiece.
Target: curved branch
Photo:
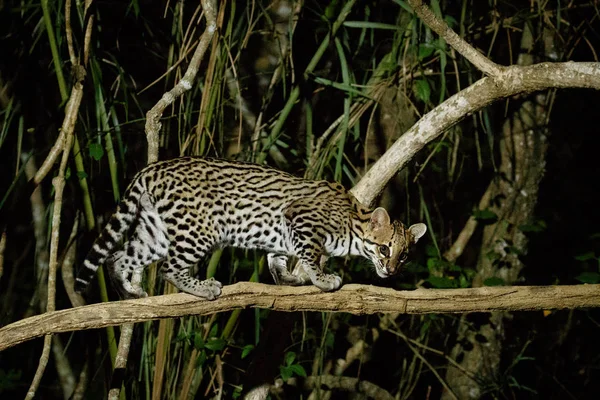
(355, 299)
(513, 80)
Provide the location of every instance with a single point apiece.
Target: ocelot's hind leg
(279, 270)
(148, 244)
(176, 269)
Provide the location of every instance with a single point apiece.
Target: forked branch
(500, 83)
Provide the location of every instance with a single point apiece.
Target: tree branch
(459, 44)
(355, 299)
(513, 80)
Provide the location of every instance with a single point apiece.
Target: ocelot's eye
(384, 250)
(403, 257)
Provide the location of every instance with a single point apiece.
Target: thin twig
(459, 44)
(59, 183)
(153, 116)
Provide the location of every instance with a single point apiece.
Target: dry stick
(59, 184)
(50, 158)
(69, 33)
(38, 212)
(354, 299)
(153, 124)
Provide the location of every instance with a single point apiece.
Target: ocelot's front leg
(312, 262)
(303, 217)
(279, 270)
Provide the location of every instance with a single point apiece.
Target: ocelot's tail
(104, 246)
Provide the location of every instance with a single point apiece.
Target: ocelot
(184, 208)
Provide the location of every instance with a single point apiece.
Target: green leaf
(198, 341)
(298, 369)
(485, 215)
(215, 344)
(81, 175)
(586, 256)
(246, 350)
(494, 281)
(290, 357)
(536, 226)
(425, 50)
(329, 340)
(451, 21)
(588, 277)
(214, 331)
(370, 25)
(181, 337)
(463, 282)
(422, 90)
(96, 151)
(286, 373)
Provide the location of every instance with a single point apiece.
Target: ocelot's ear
(417, 231)
(379, 218)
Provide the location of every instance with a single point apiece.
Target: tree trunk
(522, 149)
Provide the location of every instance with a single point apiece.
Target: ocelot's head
(388, 243)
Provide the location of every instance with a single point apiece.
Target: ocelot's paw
(133, 293)
(120, 277)
(286, 278)
(327, 282)
(210, 289)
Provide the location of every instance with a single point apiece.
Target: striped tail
(104, 246)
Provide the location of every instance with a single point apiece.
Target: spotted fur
(184, 208)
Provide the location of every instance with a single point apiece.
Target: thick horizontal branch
(511, 81)
(354, 299)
